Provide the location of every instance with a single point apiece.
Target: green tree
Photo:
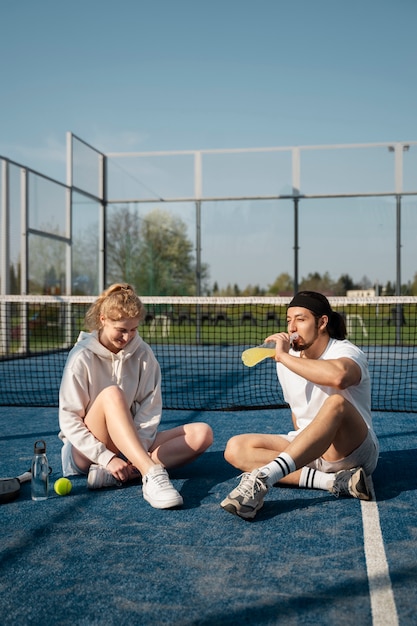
(365, 283)
(413, 286)
(316, 282)
(344, 284)
(123, 246)
(253, 290)
(407, 289)
(46, 265)
(153, 253)
(282, 284)
(15, 278)
(389, 289)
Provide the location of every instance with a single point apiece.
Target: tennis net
(198, 343)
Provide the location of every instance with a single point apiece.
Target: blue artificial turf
(107, 558)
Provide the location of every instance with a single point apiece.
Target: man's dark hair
(319, 305)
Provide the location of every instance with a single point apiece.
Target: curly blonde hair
(119, 301)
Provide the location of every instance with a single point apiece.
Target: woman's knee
(112, 391)
(108, 404)
(202, 435)
(111, 396)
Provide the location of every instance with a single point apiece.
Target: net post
(24, 230)
(4, 229)
(5, 323)
(198, 174)
(398, 315)
(102, 261)
(296, 246)
(296, 186)
(399, 150)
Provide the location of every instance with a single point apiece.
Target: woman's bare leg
(181, 445)
(110, 421)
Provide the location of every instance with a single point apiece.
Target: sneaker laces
(341, 484)
(160, 478)
(249, 485)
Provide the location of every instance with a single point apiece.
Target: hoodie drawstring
(116, 369)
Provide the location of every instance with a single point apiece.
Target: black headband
(319, 307)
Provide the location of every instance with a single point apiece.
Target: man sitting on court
(325, 380)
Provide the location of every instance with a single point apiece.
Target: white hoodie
(89, 369)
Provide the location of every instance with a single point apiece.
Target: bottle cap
(40, 447)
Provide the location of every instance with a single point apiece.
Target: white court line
(384, 611)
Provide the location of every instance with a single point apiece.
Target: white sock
(278, 468)
(314, 479)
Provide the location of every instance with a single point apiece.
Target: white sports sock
(278, 468)
(314, 479)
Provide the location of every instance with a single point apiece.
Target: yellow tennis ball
(63, 486)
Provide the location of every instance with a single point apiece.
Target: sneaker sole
(171, 504)
(360, 489)
(231, 508)
(114, 486)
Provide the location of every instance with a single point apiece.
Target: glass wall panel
(349, 236)
(47, 205)
(47, 262)
(85, 245)
(247, 243)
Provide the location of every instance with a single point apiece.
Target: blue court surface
(107, 558)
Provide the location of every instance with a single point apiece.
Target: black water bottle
(40, 471)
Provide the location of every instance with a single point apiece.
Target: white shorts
(366, 456)
(69, 467)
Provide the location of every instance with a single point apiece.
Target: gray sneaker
(353, 483)
(248, 497)
(99, 478)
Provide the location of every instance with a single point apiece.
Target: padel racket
(10, 487)
(253, 356)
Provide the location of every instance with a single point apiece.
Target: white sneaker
(158, 490)
(99, 478)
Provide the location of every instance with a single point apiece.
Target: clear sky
(136, 75)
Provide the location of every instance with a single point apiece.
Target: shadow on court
(396, 473)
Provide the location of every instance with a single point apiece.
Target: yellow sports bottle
(253, 356)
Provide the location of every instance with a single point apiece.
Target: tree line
(284, 285)
(155, 254)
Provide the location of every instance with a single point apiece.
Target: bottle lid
(40, 447)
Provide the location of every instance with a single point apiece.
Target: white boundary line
(384, 611)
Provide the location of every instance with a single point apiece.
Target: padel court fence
(198, 343)
(250, 215)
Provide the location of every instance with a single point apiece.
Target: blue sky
(139, 75)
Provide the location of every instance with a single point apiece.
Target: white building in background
(361, 293)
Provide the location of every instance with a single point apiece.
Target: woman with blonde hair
(110, 406)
